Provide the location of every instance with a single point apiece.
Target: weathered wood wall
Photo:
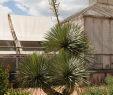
(97, 22)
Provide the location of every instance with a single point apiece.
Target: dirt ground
(40, 92)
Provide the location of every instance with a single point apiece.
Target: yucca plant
(33, 73)
(66, 69)
(39, 71)
(68, 72)
(65, 36)
(69, 38)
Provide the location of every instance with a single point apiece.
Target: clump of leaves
(33, 73)
(69, 38)
(3, 80)
(67, 72)
(46, 73)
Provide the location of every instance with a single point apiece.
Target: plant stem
(55, 10)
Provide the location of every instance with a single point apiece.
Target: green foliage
(67, 72)
(110, 90)
(46, 73)
(109, 83)
(109, 80)
(96, 91)
(17, 92)
(3, 80)
(32, 71)
(67, 69)
(69, 38)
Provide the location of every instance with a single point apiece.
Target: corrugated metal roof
(31, 28)
(27, 28)
(101, 10)
(4, 28)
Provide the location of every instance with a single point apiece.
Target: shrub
(110, 90)
(100, 90)
(96, 91)
(17, 92)
(109, 83)
(109, 80)
(3, 80)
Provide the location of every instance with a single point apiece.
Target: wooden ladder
(17, 43)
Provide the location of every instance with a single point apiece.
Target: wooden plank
(16, 41)
(106, 37)
(98, 38)
(111, 35)
(106, 43)
(89, 29)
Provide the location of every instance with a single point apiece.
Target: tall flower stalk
(54, 5)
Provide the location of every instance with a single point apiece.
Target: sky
(41, 7)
